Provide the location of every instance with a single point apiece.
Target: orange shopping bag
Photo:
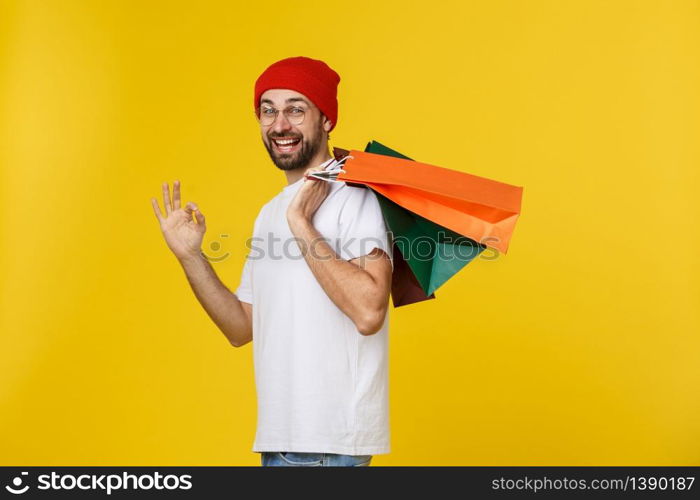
(476, 207)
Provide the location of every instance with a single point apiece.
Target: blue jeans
(297, 459)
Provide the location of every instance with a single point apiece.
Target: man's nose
(281, 123)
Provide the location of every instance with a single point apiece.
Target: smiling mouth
(286, 145)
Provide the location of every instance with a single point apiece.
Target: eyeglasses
(294, 114)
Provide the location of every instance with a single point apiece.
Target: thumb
(190, 208)
(199, 216)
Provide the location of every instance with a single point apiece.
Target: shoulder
(272, 203)
(264, 209)
(354, 199)
(359, 208)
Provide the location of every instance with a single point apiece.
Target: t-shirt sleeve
(362, 226)
(244, 292)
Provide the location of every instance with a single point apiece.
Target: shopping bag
(425, 254)
(481, 209)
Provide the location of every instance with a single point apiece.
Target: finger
(176, 195)
(199, 216)
(156, 209)
(190, 208)
(308, 172)
(166, 198)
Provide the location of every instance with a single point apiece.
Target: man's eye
(296, 111)
(268, 111)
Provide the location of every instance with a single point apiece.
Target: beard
(299, 159)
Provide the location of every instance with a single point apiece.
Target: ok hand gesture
(182, 234)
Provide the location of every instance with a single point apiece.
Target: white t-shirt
(321, 385)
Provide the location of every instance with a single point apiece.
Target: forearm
(350, 287)
(222, 306)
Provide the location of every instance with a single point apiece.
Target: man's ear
(327, 124)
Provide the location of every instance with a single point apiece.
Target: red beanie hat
(311, 77)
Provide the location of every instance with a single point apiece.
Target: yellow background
(578, 347)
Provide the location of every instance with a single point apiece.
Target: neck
(298, 173)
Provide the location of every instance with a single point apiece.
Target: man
(314, 290)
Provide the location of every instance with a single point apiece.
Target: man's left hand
(308, 198)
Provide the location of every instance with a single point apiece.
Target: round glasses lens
(295, 115)
(267, 115)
